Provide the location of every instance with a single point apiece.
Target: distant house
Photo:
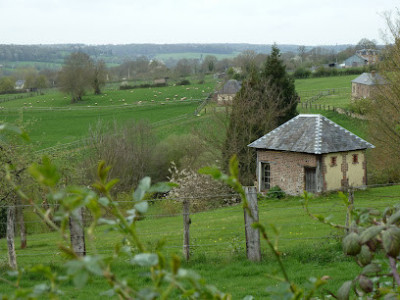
(219, 75)
(310, 153)
(160, 81)
(228, 92)
(364, 57)
(19, 84)
(364, 85)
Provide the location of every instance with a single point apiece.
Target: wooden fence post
(186, 225)
(77, 232)
(12, 257)
(253, 249)
(349, 209)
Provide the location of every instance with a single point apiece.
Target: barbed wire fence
(213, 231)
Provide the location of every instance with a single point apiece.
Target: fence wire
(212, 231)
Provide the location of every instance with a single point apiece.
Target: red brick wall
(287, 168)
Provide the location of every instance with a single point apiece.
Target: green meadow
(54, 120)
(309, 248)
(336, 90)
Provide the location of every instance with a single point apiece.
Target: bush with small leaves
(275, 193)
(370, 234)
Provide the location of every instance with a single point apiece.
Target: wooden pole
(253, 249)
(21, 222)
(12, 257)
(186, 225)
(77, 232)
(349, 209)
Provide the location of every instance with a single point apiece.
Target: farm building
(228, 91)
(160, 81)
(312, 153)
(364, 57)
(364, 85)
(19, 84)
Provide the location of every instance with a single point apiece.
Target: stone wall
(287, 169)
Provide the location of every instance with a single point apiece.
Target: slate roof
(232, 86)
(368, 79)
(309, 133)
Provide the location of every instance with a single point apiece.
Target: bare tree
(384, 115)
(76, 75)
(128, 149)
(99, 74)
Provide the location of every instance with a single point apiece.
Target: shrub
(302, 73)
(360, 106)
(141, 86)
(204, 192)
(276, 193)
(183, 82)
(130, 159)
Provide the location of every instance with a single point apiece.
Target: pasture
(309, 249)
(334, 91)
(54, 120)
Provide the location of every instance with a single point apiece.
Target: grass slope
(53, 119)
(217, 237)
(307, 88)
(324, 83)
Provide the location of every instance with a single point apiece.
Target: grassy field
(336, 90)
(217, 238)
(324, 83)
(53, 119)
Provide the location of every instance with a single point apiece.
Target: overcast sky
(305, 22)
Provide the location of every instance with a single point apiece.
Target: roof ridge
(318, 135)
(349, 132)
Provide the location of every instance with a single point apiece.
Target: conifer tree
(266, 100)
(277, 78)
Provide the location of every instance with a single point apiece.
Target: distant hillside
(118, 53)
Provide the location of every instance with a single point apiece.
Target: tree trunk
(12, 257)
(21, 222)
(186, 225)
(77, 232)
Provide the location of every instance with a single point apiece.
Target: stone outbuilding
(228, 92)
(365, 84)
(310, 153)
